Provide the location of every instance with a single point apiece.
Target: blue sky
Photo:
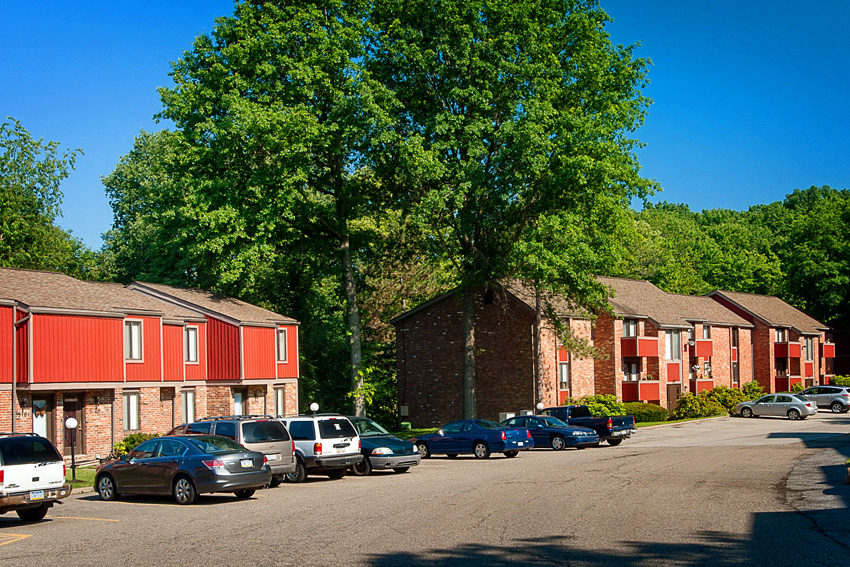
(750, 96)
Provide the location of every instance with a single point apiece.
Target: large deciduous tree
(514, 119)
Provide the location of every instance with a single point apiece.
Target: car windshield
(215, 445)
(489, 425)
(264, 432)
(552, 421)
(368, 428)
(336, 429)
(27, 450)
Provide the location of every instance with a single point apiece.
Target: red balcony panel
(563, 355)
(639, 346)
(631, 392)
(563, 396)
(734, 354)
(674, 372)
(649, 391)
(782, 384)
(810, 369)
(704, 385)
(792, 380)
(703, 348)
(792, 350)
(827, 350)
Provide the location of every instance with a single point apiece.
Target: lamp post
(314, 407)
(71, 424)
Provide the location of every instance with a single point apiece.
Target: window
(735, 337)
(674, 345)
(302, 430)
(631, 371)
(706, 332)
(239, 402)
(191, 349)
(226, 429)
(781, 336)
(132, 340)
(781, 367)
(279, 401)
(564, 375)
(187, 405)
(809, 346)
(630, 328)
(131, 411)
(281, 345)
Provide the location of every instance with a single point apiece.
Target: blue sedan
(548, 431)
(476, 436)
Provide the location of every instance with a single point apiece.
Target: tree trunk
(469, 354)
(538, 349)
(355, 348)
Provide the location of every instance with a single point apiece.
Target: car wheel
(336, 474)
(746, 412)
(451, 455)
(481, 450)
(557, 443)
(275, 481)
(793, 414)
(300, 474)
(837, 407)
(363, 468)
(244, 494)
(423, 449)
(511, 454)
(184, 490)
(33, 514)
(614, 442)
(106, 488)
(401, 470)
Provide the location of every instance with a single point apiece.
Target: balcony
(642, 391)
(827, 350)
(702, 348)
(787, 350)
(639, 346)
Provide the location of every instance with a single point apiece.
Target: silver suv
(324, 443)
(32, 475)
(835, 398)
(261, 433)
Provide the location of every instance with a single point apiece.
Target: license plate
(273, 457)
(520, 443)
(247, 463)
(37, 495)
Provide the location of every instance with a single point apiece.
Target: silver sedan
(791, 406)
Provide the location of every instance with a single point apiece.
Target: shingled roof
(55, 292)
(215, 305)
(773, 311)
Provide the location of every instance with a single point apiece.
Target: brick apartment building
(656, 346)
(144, 357)
(789, 346)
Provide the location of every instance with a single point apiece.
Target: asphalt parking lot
(724, 491)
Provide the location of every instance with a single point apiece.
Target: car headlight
(382, 451)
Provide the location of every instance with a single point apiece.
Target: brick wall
(582, 368)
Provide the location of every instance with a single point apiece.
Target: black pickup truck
(612, 429)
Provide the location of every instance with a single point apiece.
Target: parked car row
(798, 406)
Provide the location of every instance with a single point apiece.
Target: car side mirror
(440, 432)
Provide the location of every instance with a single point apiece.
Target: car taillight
(317, 448)
(293, 447)
(358, 443)
(610, 423)
(528, 433)
(265, 460)
(845, 395)
(1, 476)
(64, 471)
(504, 436)
(214, 464)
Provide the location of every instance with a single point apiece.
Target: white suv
(32, 475)
(324, 443)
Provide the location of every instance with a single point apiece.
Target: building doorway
(674, 390)
(73, 407)
(42, 418)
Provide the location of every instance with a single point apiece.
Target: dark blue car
(381, 450)
(476, 436)
(550, 431)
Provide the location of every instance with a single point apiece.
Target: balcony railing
(639, 346)
(787, 350)
(702, 348)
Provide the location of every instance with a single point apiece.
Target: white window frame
(630, 328)
(781, 336)
(631, 371)
(279, 401)
(134, 342)
(240, 401)
(674, 347)
(190, 344)
(809, 348)
(564, 375)
(706, 331)
(282, 345)
(187, 405)
(132, 405)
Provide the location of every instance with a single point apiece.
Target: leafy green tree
(31, 172)
(509, 113)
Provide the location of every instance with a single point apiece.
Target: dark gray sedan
(791, 406)
(184, 466)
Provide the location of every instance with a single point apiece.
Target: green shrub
(797, 388)
(753, 390)
(727, 397)
(600, 405)
(692, 406)
(840, 380)
(131, 442)
(645, 413)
